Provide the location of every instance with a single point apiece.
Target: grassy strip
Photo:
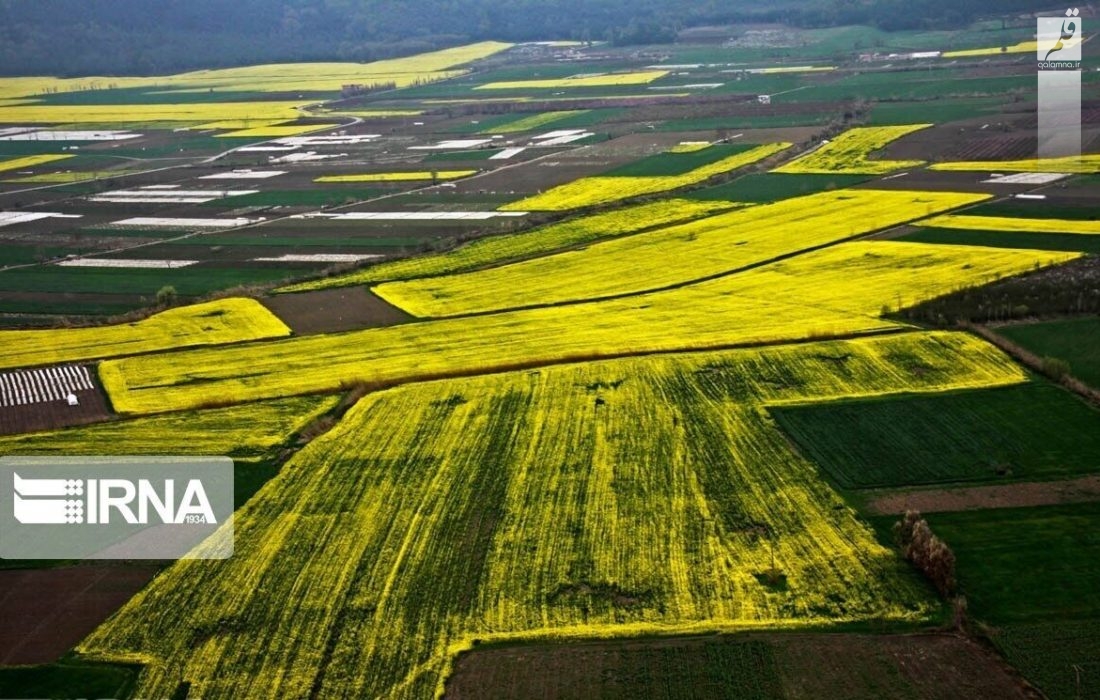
(1075, 341)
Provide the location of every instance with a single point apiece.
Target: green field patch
(452, 199)
(1026, 564)
(188, 281)
(67, 679)
(319, 197)
(275, 240)
(910, 86)
(18, 254)
(69, 305)
(1038, 209)
(1062, 658)
(935, 111)
(147, 95)
(34, 148)
(125, 232)
(1019, 433)
(1007, 239)
(747, 122)
(772, 187)
(665, 164)
(1077, 341)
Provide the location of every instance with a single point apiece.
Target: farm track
(1085, 489)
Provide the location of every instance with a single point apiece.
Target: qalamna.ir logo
(94, 501)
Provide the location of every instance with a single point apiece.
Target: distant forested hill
(159, 36)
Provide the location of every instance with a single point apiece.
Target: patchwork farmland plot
(539, 241)
(43, 385)
(545, 432)
(849, 153)
(969, 436)
(223, 321)
(840, 290)
(1075, 341)
(449, 510)
(609, 79)
(246, 433)
(1006, 239)
(1000, 223)
(602, 189)
(673, 255)
(1089, 163)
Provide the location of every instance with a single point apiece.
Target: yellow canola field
(545, 239)
(689, 146)
(29, 161)
(1022, 47)
(66, 177)
(399, 177)
(245, 433)
(589, 191)
(534, 121)
(238, 124)
(838, 290)
(601, 80)
(672, 255)
(272, 132)
(275, 77)
(287, 77)
(1083, 164)
(611, 499)
(850, 153)
(216, 322)
(149, 113)
(1004, 223)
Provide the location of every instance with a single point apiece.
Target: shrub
(928, 553)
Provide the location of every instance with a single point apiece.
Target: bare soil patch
(800, 665)
(47, 611)
(334, 310)
(1040, 493)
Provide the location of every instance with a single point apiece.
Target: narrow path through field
(1038, 493)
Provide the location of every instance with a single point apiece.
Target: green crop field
(67, 680)
(1077, 341)
(314, 197)
(771, 187)
(1026, 564)
(936, 110)
(1062, 658)
(1037, 209)
(664, 164)
(987, 435)
(1007, 239)
(188, 281)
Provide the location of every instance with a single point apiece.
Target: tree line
(113, 37)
